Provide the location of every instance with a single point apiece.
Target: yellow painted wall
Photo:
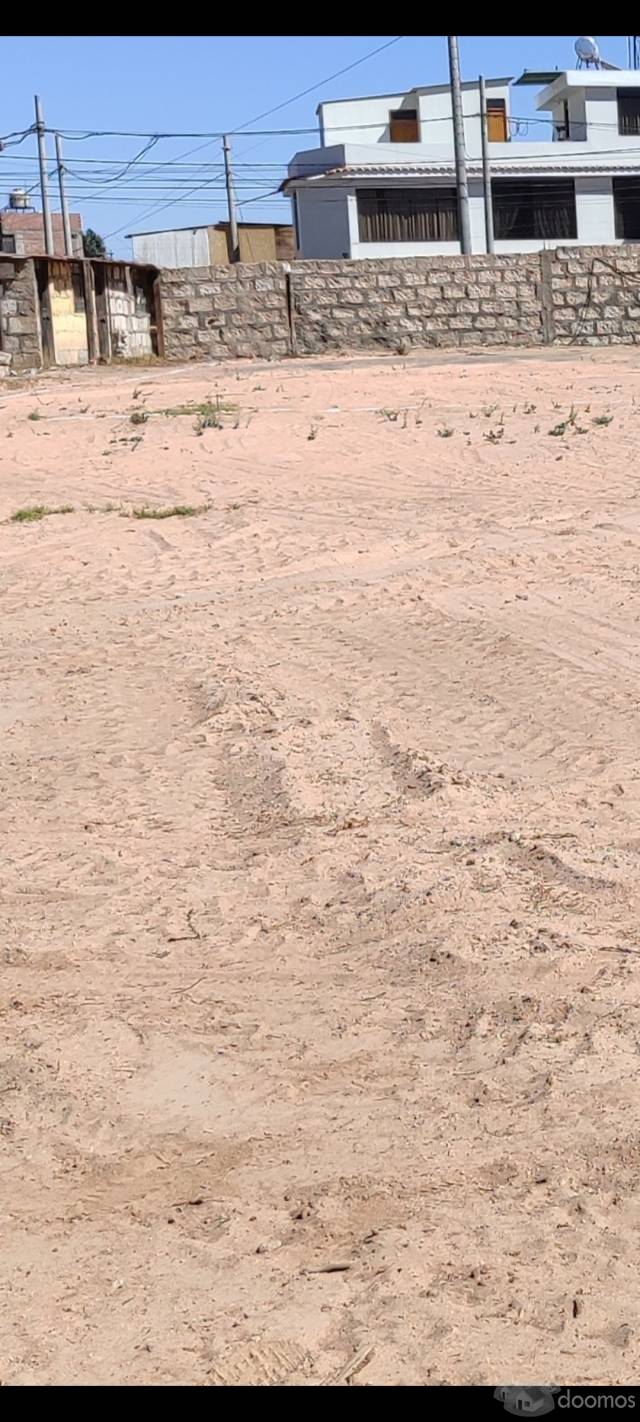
(257, 244)
(218, 249)
(69, 325)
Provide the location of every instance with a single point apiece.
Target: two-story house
(382, 181)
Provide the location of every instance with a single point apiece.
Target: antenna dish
(587, 51)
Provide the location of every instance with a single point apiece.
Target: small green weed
(173, 511)
(38, 511)
(445, 432)
(205, 409)
(210, 421)
(34, 415)
(391, 415)
(602, 419)
(138, 417)
(569, 423)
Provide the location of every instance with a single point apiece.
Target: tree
(93, 244)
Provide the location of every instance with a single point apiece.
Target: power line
(320, 84)
(155, 138)
(116, 177)
(82, 134)
(285, 103)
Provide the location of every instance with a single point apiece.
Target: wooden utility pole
(231, 201)
(458, 145)
(44, 180)
(64, 208)
(486, 169)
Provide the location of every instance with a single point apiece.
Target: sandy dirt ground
(320, 871)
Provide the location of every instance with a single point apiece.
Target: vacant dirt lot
(321, 859)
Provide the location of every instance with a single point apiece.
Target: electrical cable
(285, 103)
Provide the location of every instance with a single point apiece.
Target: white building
(382, 182)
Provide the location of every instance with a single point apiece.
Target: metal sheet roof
(538, 76)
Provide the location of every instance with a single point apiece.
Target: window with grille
(530, 208)
(629, 111)
(407, 215)
(626, 206)
(403, 126)
(7, 242)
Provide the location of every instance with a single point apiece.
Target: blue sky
(209, 83)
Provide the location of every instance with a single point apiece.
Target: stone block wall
(595, 295)
(572, 295)
(577, 295)
(225, 311)
(19, 318)
(424, 301)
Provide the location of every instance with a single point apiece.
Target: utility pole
(458, 146)
(64, 208)
(486, 168)
(44, 181)
(231, 200)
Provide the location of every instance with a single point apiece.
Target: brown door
(403, 126)
(497, 121)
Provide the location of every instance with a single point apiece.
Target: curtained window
(407, 214)
(534, 208)
(626, 204)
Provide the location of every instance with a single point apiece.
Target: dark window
(403, 126)
(629, 111)
(534, 208)
(7, 242)
(407, 215)
(78, 288)
(626, 205)
(562, 130)
(140, 295)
